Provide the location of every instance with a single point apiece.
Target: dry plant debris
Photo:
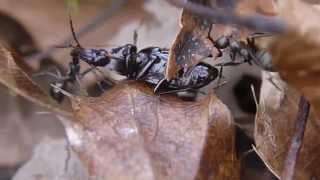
(14, 75)
(274, 129)
(128, 133)
(295, 54)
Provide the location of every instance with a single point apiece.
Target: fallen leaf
(129, 133)
(18, 81)
(297, 60)
(250, 7)
(295, 53)
(274, 128)
(300, 17)
(192, 43)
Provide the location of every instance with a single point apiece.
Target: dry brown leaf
(295, 54)
(275, 126)
(192, 43)
(19, 82)
(297, 60)
(301, 17)
(249, 7)
(128, 133)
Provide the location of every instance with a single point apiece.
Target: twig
(222, 16)
(296, 141)
(93, 24)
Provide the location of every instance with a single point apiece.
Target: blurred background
(32, 141)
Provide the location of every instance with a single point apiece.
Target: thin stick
(218, 15)
(92, 25)
(296, 141)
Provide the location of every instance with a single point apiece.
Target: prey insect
(148, 65)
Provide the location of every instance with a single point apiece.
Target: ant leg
(229, 64)
(135, 32)
(220, 53)
(259, 35)
(176, 91)
(233, 54)
(160, 83)
(254, 58)
(187, 94)
(145, 69)
(135, 37)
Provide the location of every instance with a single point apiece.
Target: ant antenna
(135, 32)
(135, 37)
(73, 32)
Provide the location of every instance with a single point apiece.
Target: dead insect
(147, 65)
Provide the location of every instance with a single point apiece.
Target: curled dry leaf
(192, 43)
(296, 58)
(301, 17)
(275, 126)
(249, 7)
(128, 133)
(14, 76)
(296, 53)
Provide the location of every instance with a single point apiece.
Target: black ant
(248, 51)
(73, 74)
